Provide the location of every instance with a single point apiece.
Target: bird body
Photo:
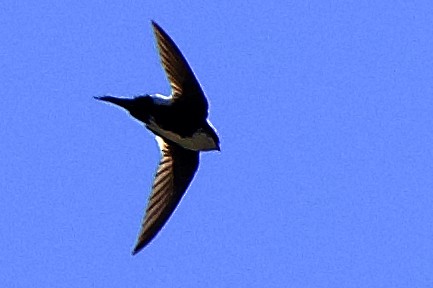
(170, 121)
(182, 131)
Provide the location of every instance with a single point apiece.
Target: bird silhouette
(180, 124)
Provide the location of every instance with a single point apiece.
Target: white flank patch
(161, 99)
(200, 141)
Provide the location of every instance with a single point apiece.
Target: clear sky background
(325, 114)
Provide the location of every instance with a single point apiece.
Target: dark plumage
(182, 131)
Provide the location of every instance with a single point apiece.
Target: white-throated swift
(182, 130)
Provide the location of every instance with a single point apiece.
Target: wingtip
(137, 249)
(158, 29)
(154, 24)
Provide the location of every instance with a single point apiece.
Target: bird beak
(122, 102)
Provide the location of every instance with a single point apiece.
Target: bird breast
(199, 141)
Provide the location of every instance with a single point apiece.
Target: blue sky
(325, 114)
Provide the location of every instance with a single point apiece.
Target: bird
(182, 130)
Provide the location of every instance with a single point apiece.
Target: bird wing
(175, 172)
(184, 84)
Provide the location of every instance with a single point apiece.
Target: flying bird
(180, 124)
